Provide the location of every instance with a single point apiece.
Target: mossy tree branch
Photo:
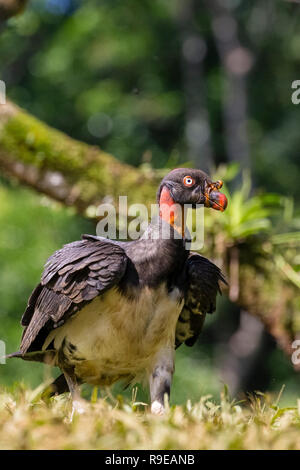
(69, 171)
(274, 300)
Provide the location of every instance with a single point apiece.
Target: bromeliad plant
(246, 226)
(257, 242)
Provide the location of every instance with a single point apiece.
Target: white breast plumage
(114, 337)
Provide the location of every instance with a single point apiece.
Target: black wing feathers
(73, 276)
(203, 278)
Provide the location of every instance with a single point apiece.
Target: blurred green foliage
(110, 73)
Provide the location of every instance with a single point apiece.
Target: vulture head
(190, 186)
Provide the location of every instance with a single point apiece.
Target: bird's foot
(79, 407)
(157, 408)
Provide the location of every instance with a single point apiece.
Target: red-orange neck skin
(171, 212)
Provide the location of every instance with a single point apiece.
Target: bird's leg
(160, 380)
(77, 402)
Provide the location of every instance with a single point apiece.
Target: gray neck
(159, 255)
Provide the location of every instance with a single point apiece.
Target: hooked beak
(213, 197)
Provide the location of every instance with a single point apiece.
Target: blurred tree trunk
(237, 62)
(83, 176)
(193, 51)
(240, 358)
(9, 8)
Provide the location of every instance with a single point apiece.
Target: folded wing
(203, 284)
(73, 276)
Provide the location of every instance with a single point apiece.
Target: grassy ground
(27, 422)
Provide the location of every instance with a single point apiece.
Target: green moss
(95, 173)
(34, 143)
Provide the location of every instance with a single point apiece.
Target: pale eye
(188, 181)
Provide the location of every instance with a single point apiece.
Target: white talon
(157, 408)
(78, 407)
